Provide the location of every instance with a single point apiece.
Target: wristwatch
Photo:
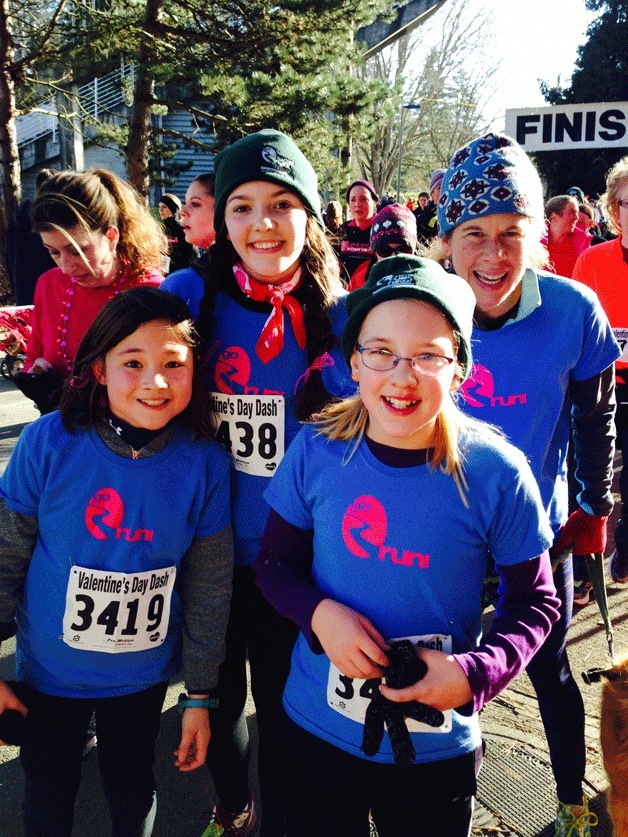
(186, 702)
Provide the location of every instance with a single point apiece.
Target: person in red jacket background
(604, 268)
(564, 240)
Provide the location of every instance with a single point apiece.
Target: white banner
(590, 125)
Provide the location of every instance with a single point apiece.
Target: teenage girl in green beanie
(270, 318)
(383, 514)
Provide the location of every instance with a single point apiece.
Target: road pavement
(516, 793)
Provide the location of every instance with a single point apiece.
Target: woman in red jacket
(103, 240)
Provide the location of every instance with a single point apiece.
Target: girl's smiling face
(403, 404)
(197, 216)
(148, 376)
(492, 253)
(266, 224)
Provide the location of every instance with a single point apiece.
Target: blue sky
(534, 39)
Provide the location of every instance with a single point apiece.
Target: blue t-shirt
(187, 284)
(256, 428)
(399, 546)
(99, 511)
(522, 371)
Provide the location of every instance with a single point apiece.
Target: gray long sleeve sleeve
(205, 588)
(18, 535)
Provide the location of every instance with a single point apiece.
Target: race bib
(251, 429)
(621, 335)
(113, 612)
(351, 696)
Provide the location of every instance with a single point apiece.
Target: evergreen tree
(237, 66)
(601, 75)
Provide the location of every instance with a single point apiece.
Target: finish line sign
(590, 125)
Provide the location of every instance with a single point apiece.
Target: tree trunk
(9, 156)
(143, 99)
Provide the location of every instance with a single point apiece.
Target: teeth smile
(399, 403)
(265, 245)
(488, 279)
(154, 402)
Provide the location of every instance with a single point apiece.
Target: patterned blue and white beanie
(490, 176)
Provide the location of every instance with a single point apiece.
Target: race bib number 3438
(251, 429)
(114, 612)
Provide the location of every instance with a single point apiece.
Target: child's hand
(349, 639)
(8, 700)
(445, 685)
(195, 735)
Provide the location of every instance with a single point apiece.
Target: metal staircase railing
(97, 97)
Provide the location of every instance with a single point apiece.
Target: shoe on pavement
(225, 824)
(583, 593)
(574, 820)
(618, 568)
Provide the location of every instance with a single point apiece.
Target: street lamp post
(403, 107)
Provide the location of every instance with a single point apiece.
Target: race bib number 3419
(251, 429)
(114, 612)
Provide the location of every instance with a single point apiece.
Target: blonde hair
(615, 180)
(347, 421)
(95, 201)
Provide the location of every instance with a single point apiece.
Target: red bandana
(270, 341)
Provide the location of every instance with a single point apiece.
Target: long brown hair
(96, 200)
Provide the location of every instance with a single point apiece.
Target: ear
(98, 368)
(444, 242)
(455, 384)
(113, 234)
(353, 363)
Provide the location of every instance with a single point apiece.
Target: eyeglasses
(623, 203)
(381, 360)
(386, 250)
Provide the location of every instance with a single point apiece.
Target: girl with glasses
(383, 514)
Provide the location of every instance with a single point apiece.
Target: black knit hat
(411, 277)
(266, 155)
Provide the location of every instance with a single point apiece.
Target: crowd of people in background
(396, 331)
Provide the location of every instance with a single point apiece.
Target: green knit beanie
(267, 155)
(411, 277)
